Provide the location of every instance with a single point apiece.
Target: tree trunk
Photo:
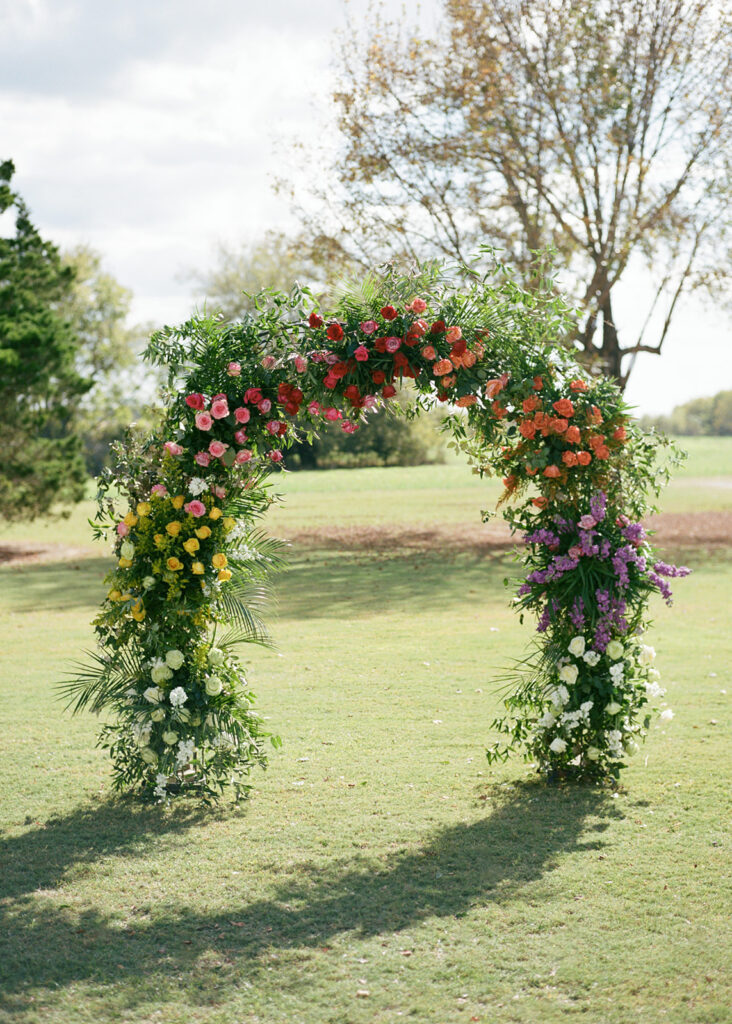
(611, 352)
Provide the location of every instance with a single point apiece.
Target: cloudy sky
(153, 129)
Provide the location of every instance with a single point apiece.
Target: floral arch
(190, 561)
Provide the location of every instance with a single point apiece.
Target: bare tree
(596, 128)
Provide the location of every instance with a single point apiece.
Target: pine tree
(41, 465)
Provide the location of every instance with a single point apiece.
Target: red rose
(334, 332)
(389, 313)
(196, 401)
(315, 321)
(388, 391)
(378, 377)
(438, 327)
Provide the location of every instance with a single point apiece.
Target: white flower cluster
(196, 486)
(178, 697)
(185, 752)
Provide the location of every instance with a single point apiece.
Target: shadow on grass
(55, 586)
(197, 954)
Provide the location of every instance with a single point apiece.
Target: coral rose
(527, 429)
(453, 334)
(442, 367)
(552, 472)
(564, 407)
(584, 458)
(429, 352)
(573, 435)
(538, 383)
(569, 458)
(466, 401)
(577, 385)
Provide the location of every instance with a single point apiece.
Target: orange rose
(602, 452)
(529, 404)
(620, 434)
(469, 359)
(552, 472)
(594, 415)
(538, 384)
(569, 458)
(572, 435)
(509, 482)
(527, 429)
(447, 382)
(465, 401)
(596, 441)
(577, 385)
(492, 387)
(442, 367)
(558, 426)
(564, 407)
(540, 502)
(584, 458)
(530, 471)
(498, 410)
(428, 352)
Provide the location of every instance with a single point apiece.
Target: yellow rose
(224, 575)
(125, 597)
(215, 513)
(138, 612)
(143, 508)
(114, 595)
(178, 501)
(173, 528)
(174, 564)
(219, 561)
(130, 519)
(203, 532)
(159, 539)
(124, 563)
(191, 545)
(198, 569)
(229, 523)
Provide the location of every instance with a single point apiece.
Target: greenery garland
(190, 559)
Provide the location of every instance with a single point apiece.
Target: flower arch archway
(190, 560)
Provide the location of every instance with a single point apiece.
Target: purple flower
(598, 504)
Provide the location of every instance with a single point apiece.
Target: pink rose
(329, 381)
(160, 489)
(172, 448)
(202, 458)
(204, 421)
(195, 508)
(331, 358)
(240, 436)
(332, 414)
(393, 344)
(220, 492)
(361, 354)
(275, 456)
(417, 305)
(273, 426)
(453, 334)
(301, 364)
(317, 357)
(370, 402)
(349, 428)
(122, 529)
(314, 408)
(196, 401)
(219, 408)
(575, 552)
(217, 448)
(242, 415)
(233, 369)
(268, 362)
(587, 523)
(369, 326)
(264, 406)
(243, 456)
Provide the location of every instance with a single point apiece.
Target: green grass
(379, 852)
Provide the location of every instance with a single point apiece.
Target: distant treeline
(707, 416)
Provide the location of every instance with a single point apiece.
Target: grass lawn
(381, 870)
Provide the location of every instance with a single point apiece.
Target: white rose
(149, 582)
(547, 720)
(213, 686)
(174, 659)
(613, 708)
(591, 658)
(667, 715)
(170, 737)
(127, 549)
(161, 674)
(653, 690)
(593, 753)
(647, 655)
(653, 673)
(157, 715)
(577, 646)
(154, 694)
(216, 656)
(148, 755)
(568, 674)
(615, 650)
(558, 746)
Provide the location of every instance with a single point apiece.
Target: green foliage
(41, 385)
(701, 417)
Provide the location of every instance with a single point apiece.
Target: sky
(154, 129)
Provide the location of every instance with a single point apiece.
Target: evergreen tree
(40, 386)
